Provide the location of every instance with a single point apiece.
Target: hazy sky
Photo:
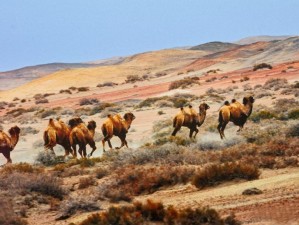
(44, 31)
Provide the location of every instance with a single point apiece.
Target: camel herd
(76, 132)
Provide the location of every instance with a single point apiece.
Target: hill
(250, 40)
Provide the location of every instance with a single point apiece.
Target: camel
(82, 135)
(190, 118)
(234, 112)
(58, 132)
(9, 142)
(118, 126)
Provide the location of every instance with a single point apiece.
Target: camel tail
(220, 118)
(104, 130)
(174, 122)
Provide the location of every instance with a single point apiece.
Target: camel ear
(245, 100)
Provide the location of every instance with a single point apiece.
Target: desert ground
(153, 86)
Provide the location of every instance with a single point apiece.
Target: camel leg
(123, 142)
(196, 132)
(84, 151)
(222, 130)
(240, 128)
(176, 129)
(7, 156)
(191, 132)
(107, 138)
(74, 151)
(93, 146)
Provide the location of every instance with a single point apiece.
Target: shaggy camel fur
(58, 132)
(234, 112)
(8, 143)
(190, 118)
(82, 135)
(118, 126)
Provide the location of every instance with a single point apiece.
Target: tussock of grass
(215, 173)
(152, 212)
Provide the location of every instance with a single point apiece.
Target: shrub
(161, 112)
(211, 79)
(133, 78)
(180, 73)
(46, 158)
(262, 66)
(16, 112)
(293, 131)
(28, 130)
(152, 212)
(293, 114)
(7, 214)
(73, 88)
(41, 101)
(85, 182)
(47, 113)
(275, 84)
(67, 91)
(215, 173)
(135, 180)
(86, 101)
(101, 172)
(160, 74)
(107, 84)
(83, 89)
(23, 100)
(184, 83)
(263, 114)
(73, 205)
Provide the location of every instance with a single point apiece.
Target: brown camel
(82, 135)
(8, 142)
(118, 126)
(188, 117)
(58, 132)
(234, 112)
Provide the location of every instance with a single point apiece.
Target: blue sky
(44, 31)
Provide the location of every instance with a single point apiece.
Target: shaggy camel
(82, 135)
(234, 112)
(190, 118)
(118, 126)
(58, 132)
(8, 143)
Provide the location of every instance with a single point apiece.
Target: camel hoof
(89, 155)
(117, 148)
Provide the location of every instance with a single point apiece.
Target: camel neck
(202, 116)
(14, 140)
(92, 132)
(248, 109)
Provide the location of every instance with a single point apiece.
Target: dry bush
(85, 182)
(211, 79)
(102, 106)
(284, 105)
(67, 91)
(152, 212)
(21, 168)
(163, 103)
(7, 214)
(293, 114)
(28, 182)
(293, 131)
(88, 101)
(275, 84)
(133, 78)
(160, 74)
(184, 83)
(261, 115)
(262, 66)
(71, 171)
(216, 173)
(47, 113)
(41, 101)
(16, 112)
(101, 172)
(107, 84)
(136, 180)
(263, 94)
(73, 205)
(47, 158)
(83, 89)
(28, 130)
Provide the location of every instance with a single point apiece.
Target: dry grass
(85, 182)
(21, 168)
(217, 173)
(135, 180)
(7, 214)
(152, 212)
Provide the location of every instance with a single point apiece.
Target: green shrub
(263, 114)
(293, 114)
(184, 83)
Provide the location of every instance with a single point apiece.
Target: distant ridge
(215, 46)
(253, 39)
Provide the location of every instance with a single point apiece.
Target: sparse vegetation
(184, 83)
(133, 78)
(83, 89)
(261, 66)
(107, 84)
(152, 212)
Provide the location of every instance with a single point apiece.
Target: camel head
(91, 125)
(203, 107)
(248, 100)
(75, 121)
(129, 116)
(14, 131)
